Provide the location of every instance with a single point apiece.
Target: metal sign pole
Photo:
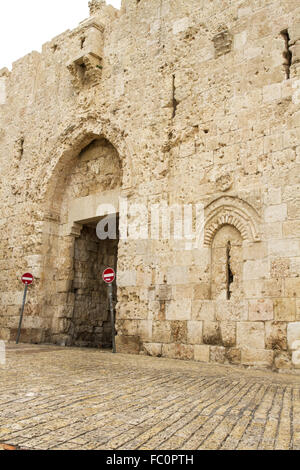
(112, 316)
(22, 311)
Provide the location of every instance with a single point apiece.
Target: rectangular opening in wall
(91, 324)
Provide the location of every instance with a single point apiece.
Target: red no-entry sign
(109, 275)
(27, 279)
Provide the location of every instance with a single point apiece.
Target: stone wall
(199, 103)
(91, 323)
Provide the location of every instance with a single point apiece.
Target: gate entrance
(91, 325)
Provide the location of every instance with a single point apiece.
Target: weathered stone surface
(202, 115)
(285, 309)
(257, 357)
(153, 349)
(217, 354)
(293, 334)
(128, 344)
(276, 335)
(201, 353)
(228, 333)
(251, 335)
(261, 310)
(211, 333)
(233, 355)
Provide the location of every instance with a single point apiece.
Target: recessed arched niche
(227, 264)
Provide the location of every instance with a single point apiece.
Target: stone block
(233, 355)
(153, 349)
(161, 332)
(256, 269)
(203, 310)
(276, 335)
(280, 267)
(128, 344)
(231, 310)
(294, 32)
(296, 354)
(276, 213)
(292, 287)
(202, 291)
(194, 332)
(179, 310)
(183, 292)
(178, 331)
(181, 25)
(282, 361)
(177, 275)
(201, 353)
(272, 288)
(261, 310)
(212, 333)
(228, 333)
(257, 357)
(168, 350)
(5, 334)
(272, 92)
(285, 309)
(293, 334)
(144, 330)
(251, 335)
(283, 248)
(184, 351)
(126, 278)
(217, 354)
(254, 251)
(291, 229)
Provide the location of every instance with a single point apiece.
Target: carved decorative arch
(228, 210)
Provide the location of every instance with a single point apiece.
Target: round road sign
(108, 275)
(27, 279)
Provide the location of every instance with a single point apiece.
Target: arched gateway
(87, 176)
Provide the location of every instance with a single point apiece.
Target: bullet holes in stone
(287, 54)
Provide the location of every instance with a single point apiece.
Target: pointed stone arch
(229, 210)
(73, 140)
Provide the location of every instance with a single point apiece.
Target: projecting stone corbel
(86, 66)
(85, 70)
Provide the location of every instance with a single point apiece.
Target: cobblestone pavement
(57, 398)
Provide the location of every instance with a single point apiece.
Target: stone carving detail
(222, 42)
(95, 6)
(224, 182)
(76, 230)
(231, 211)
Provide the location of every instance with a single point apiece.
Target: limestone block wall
(200, 102)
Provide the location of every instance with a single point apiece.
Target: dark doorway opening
(91, 324)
